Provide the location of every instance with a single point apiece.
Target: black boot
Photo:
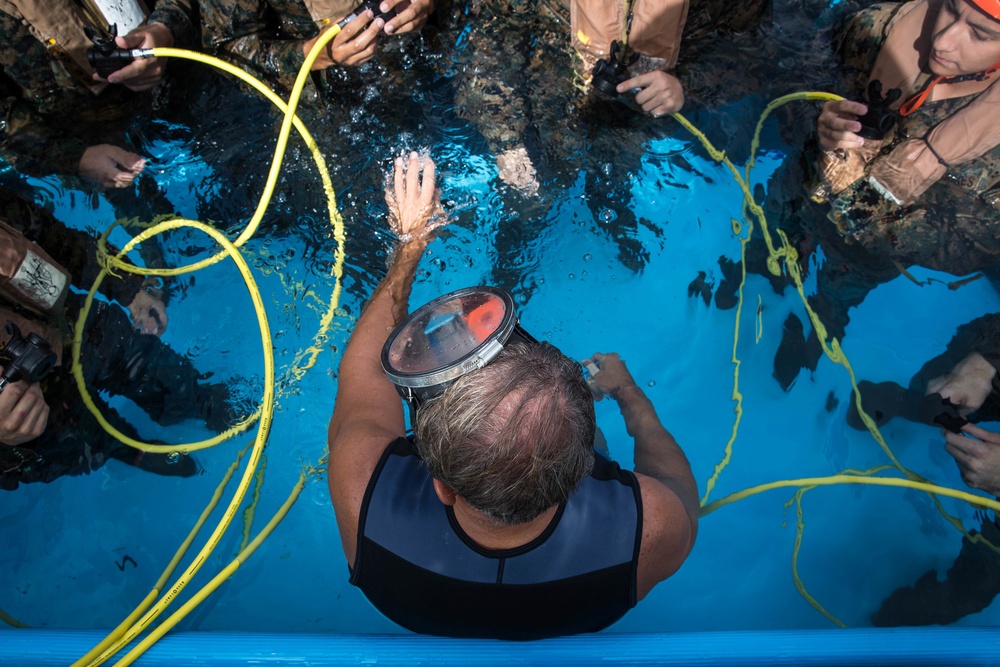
(882, 402)
(169, 465)
(969, 587)
(795, 352)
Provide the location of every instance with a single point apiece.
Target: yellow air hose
(131, 628)
(831, 349)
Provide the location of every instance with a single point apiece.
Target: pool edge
(891, 646)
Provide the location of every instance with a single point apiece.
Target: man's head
(513, 438)
(966, 37)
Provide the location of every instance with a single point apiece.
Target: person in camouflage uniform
(520, 83)
(56, 117)
(45, 429)
(944, 228)
(523, 72)
(271, 38)
(868, 239)
(965, 374)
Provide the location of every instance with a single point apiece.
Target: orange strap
(915, 102)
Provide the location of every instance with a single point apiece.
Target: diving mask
(447, 338)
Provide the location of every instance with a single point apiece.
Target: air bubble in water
(173, 457)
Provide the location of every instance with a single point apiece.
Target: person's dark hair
(513, 438)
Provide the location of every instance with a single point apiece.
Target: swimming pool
(573, 289)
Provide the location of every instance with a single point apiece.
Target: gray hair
(513, 438)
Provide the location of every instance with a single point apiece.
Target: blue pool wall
(955, 647)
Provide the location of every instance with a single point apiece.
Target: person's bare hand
(149, 314)
(838, 125)
(142, 73)
(24, 414)
(354, 45)
(412, 15)
(110, 166)
(659, 93)
(612, 376)
(978, 457)
(967, 385)
(414, 202)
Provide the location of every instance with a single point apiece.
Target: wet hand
(142, 73)
(414, 202)
(110, 166)
(612, 376)
(967, 385)
(411, 15)
(149, 314)
(838, 125)
(660, 93)
(24, 414)
(978, 457)
(354, 45)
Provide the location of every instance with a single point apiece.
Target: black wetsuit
(418, 567)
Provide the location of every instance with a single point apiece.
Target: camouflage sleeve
(265, 36)
(30, 144)
(178, 16)
(27, 141)
(857, 42)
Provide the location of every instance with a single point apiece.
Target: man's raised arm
(368, 414)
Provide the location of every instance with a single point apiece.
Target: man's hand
(110, 166)
(354, 44)
(660, 93)
(978, 460)
(838, 125)
(142, 73)
(24, 414)
(611, 376)
(149, 314)
(967, 385)
(412, 15)
(413, 201)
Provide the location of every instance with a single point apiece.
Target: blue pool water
(65, 565)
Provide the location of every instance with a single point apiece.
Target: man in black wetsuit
(499, 520)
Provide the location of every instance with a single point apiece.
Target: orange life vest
(657, 26)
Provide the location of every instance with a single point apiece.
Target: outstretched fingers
(427, 190)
